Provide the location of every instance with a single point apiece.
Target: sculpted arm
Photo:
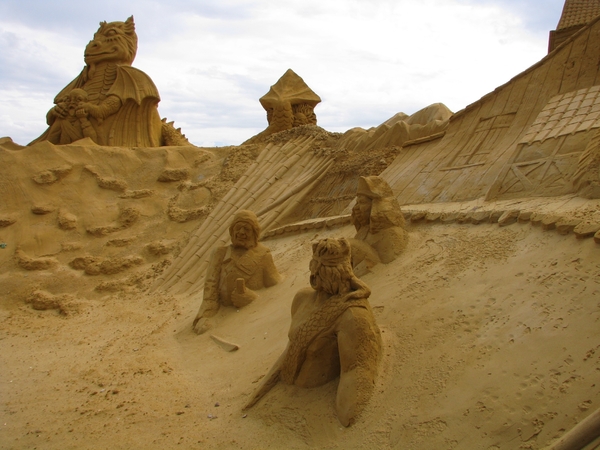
(57, 111)
(270, 274)
(301, 296)
(210, 301)
(359, 346)
(107, 108)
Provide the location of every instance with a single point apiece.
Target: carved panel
(477, 149)
(565, 114)
(546, 158)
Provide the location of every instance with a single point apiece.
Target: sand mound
(488, 343)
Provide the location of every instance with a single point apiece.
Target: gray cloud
(213, 60)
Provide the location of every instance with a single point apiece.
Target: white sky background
(213, 59)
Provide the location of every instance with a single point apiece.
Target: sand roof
(578, 12)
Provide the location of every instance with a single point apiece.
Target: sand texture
(490, 341)
(486, 317)
(489, 325)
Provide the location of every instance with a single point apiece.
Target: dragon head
(113, 42)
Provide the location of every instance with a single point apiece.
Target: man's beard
(358, 217)
(246, 243)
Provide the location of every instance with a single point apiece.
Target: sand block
(432, 217)
(525, 216)
(418, 216)
(549, 222)
(495, 216)
(586, 230)
(478, 217)
(509, 217)
(567, 226)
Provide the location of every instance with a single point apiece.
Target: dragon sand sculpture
(118, 105)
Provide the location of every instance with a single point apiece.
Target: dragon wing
(137, 123)
(132, 83)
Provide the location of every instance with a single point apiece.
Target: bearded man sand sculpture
(235, 271)
(380, 225)
(333, 333)
(120, 101)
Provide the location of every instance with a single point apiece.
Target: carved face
(362, 210)
(242, 235)
(77, 96)
(113, 42)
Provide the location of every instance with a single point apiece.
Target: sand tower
(576, 14)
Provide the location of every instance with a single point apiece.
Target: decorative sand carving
(360, 152)
(489, 332)
(289, 103)
(236, 271)
(29, 263)
(275, 184)
(65, 304)
(333, 333)
(110, 102)
(379, 223)
(127, 217)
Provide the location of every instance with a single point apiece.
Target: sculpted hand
(201, 322)
(59, 111)
(81, 112)
(242, 296)
(202, 325)
(88, 109)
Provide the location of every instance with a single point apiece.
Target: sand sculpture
(237, 270)
(480, 300)
(576, 14)
(532, 136)
(380, 225)
(333, 332)
(110, 102)
(289, 103)
(75, 124)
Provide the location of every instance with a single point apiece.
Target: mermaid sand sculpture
(380, 225)
(237, 270)
(119, 103)
(333, 333)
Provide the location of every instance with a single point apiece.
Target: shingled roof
(578, 12)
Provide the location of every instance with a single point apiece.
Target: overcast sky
(213, 59)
